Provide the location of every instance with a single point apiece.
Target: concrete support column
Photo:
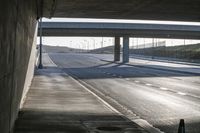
(125, 49)
(117, 49)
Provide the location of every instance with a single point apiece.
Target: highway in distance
(151, 92)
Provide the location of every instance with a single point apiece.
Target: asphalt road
(161, 97)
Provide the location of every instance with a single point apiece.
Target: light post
(79, 48)
(102, 43)
(82, 47)
(40, 66)
(87, 45)
(93, 43)
(153, 49)
(144, 46)
(70, 44)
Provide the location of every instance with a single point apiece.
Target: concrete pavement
(56, 103)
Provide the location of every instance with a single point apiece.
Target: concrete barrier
(17, 28)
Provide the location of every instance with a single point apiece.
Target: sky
(97, 42)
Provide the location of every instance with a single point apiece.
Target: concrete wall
(17, 28)
(30, 70)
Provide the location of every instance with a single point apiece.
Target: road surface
(159, 96)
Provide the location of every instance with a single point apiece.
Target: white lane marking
(51, 60)
(127, 79)
(181, 93)
(164, 89)
(148, 84)
(136, 81)
(95, 95)
(141, 122)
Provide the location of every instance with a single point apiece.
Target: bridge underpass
(18, 30)
(89, 73)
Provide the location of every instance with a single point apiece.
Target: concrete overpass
(117, 30)
(18, 32)
(120, 29)
(177, 10)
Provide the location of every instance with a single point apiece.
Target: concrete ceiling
(177, 10)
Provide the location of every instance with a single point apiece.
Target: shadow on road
(45, 121)
(124, 71)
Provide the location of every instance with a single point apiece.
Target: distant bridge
(94, 29)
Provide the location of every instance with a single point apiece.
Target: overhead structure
(120, 29)
(176, 10)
